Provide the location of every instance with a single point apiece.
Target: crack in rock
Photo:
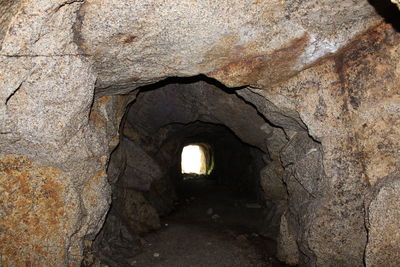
(13, 93)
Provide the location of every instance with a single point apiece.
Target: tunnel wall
(342, 82)
(145, 172)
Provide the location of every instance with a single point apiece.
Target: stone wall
(325, 74)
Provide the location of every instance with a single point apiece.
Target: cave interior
(242, 190)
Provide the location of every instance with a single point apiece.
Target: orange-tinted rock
(35, 215)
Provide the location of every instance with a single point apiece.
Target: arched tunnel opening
(162, 216)
(196, 159)
(301, 151)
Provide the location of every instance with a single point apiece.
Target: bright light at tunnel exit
(193, 160)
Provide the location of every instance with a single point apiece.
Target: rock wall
(323, 70)
(53, 181)
(340, 108)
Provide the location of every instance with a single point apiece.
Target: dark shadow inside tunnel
(152, 197)
(388, 11)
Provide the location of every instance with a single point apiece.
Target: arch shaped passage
(193, 159)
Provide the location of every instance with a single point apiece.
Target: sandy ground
(210, 227)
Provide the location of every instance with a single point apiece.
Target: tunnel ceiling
(141, 41)
(202, 101)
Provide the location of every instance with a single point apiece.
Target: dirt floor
(211, 227)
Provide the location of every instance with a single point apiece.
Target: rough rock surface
(137, 212)
(36, 204)
(141, 169)
(53, 161)
(328, 69)
(236, 42)
(272, 181)
(185, 103)
(338, 101)
(383, 224)
(288, 250)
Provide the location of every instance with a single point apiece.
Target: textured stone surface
(36, 202)
(115, 239)
(140, 216)
(188, 102)
(59, 157)
(321, 68)
(141, 169)
(288, 251)
(43, 215)
(238, 43)
(338, 101)
(8, 9)
(271, 181)
(354, 94)
(383, 225)
(303, 159)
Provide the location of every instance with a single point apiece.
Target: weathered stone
(288, 251)
(286, 118)
(40, 213)
(327, 69)
(141, 169)
(8, 9)
(116, 238)
(185, 103)
(272, 183)
(117, 165)
(272, 218)
(383, 225)
(302, 157)
(46, 97)
(138, 214)
(238, 43)
(332, 99)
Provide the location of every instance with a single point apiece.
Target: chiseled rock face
(55, 139)
(272, 183)
(350, 104)
(351, 101)
(288, 251)
(237, 42)
(53, 159)
(383, 225)
(141, 169)
(36, 204)
(185, 103)
(8, 9)
(136, 211)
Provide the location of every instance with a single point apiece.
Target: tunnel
(293, 106)
(235, 204)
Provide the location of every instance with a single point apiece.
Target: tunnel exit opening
(197, 160)
(193, 160)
